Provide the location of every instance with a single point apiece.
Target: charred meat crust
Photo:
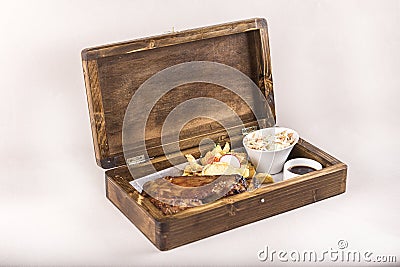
(237, 184)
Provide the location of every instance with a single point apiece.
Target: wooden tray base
(170, 231)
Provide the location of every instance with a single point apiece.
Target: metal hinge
(248, 130)
(137, 160)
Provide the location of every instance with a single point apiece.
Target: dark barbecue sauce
(301, 169)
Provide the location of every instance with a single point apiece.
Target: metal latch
(247, 130)
(136, 160)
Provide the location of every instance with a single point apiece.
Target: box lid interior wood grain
(113, 73)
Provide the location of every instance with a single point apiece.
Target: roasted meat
(192, 191)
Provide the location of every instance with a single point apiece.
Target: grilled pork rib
(208, 187)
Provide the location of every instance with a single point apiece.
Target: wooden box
(112, 75)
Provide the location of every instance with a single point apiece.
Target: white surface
(336, 75)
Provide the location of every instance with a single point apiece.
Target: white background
(336, 77)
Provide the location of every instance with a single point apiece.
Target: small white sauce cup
(299, 162)
(269, 161)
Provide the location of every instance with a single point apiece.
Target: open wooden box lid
(114, 73)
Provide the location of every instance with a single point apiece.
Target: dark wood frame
(93, 59)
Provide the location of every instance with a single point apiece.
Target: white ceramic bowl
(299, 162)
(269, 161)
